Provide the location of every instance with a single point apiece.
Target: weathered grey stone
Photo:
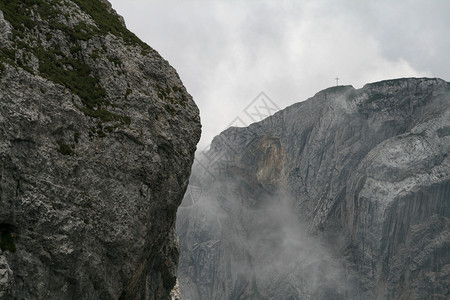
(176, 293)
(97, 137)
(6, 278)
(364, 179)
(5, 30)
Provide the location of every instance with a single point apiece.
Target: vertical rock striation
(97, 137)
(343, 196)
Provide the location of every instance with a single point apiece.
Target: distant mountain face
(97, 139)
(343, 196)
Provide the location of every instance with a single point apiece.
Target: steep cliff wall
(97, 136)
(345, 195)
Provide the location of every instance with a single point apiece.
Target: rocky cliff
(97, 137)
(343, 196)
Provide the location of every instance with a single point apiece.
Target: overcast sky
(228, 52)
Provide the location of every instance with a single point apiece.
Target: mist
(227, 53)
(263, 239)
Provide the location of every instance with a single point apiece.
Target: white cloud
(226, 52)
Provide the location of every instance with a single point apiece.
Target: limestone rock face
(97, 137)
(343, 196)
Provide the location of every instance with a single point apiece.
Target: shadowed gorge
(342, 196)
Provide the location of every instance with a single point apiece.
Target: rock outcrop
(343, 196)
(97, 137)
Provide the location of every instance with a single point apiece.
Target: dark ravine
(343, 196)
(97, 139)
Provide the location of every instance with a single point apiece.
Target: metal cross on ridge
(337, 80)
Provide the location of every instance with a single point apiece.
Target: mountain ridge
(345, 161)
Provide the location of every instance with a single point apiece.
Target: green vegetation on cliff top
(71, 71)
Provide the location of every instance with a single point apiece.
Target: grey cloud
(226, 52)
